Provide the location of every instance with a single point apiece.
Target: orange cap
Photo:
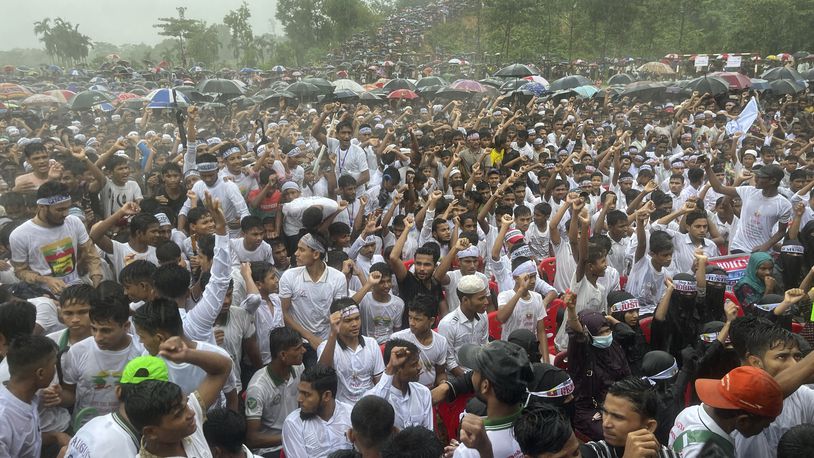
(745, 388)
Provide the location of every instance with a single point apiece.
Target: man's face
(136, 291)
(69, 179)
(344, 135)
(619, 418)
(304, 255)
(110, 335)
(676, 185)
(559, 192)
(523, 222)
(477, 302)
(210, 178)
(253, 238)
(205, 225)
(698, 228)
(309, 400)
(419, 323)
(508, 199)
(442, 233)
(350, 326)
(292, 356)
(55, 215)
(494, 180)
(172, 179)
(75, 315)
(424, 266)
(280, 255)
(177, 424)
(777, 359)
(752, 425)
(764, 182)
(152, 235)
(348, 193)
(234, 163)
(39, 162)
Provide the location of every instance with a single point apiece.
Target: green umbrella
(86, 99)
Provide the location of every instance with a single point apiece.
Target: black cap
(527, 341)
(502, 363)
(771, 171)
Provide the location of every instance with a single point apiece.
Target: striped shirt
(600, 449)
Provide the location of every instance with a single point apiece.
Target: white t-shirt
(113, 197)
(108, 435)
(566, 265)
(352, 161)
(437, 353)
(646, 284)
(189, 376)
(293, 211)
(526, 314)
(413, 408)
(47, 314)
(123, 254)
(759, 214)
(539, 242)
(241, 254)
(19, 426)
(195, 444)
(52, 251)
(501, 435)
(270, 401)
(315, 437)
(695, 418)
(238, 327)
(798, 409)
(244, 182)
(355, 368)
(459, 330)
(589, 297)
(96, 372)
(267, 316)
(310, 301)
(381, 319)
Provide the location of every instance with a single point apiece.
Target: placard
(733, 61)
(701, 61)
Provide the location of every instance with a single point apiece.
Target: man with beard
(420, 281)
(47, 248)
(318, 427)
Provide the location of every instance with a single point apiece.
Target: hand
(193, 198)
(54, 285)
(700, 256)
(799, 209)
(336, 319)
(730, 310)
(688, 206)
(577, 205)
(409, 222)
(641, 444)
(55, 171)
(78, 153)
(570, 299)
(246, 269)
(770, 283)
(506, 220)
(524, 282)
(343, 204)
(398, 355)
(437, 194)
(173, 349)
(214, 207)
(650, 186)
(462, 244)
(668, 282)
(370, 226)
(794, 295)
(363, 200)
(374, 278)
(129, 209)
(52, 396)
(219, 335)
(473, 433)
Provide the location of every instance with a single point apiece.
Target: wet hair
(117, 161)
(322, 379)
(338, 228)
(763, 338)
(196, 214)
(544, 208)
(522, 210)
(426, 251)
(424, 304)
(660, 241)
(17, 318)
(345, 181)
(413, 442)
(81, 293)
(281, 339)
(341, 303)
(33, 148)
(149, 401)
(639, 393)
(138, 271)
(797, 442)
(695, 215)
(260, 270)
(110, 290)
(383, 268)
(390, 344)
(27, 352)
(206, 245)
(170, 167)
(167, 251)
(171, 280)
(225, 428)
(335, 259)
(542, 429)
(615, 217)
(372, 420)
(141, 223)
(51, 189)
(113, 308)
(251, 222)
(160, 314)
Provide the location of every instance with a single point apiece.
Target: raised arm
(98, 233)
(217, 367)
(582, 251)
(327, 110)
(396, 264)
(641, 237)
(716, 183)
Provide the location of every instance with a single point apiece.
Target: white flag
(744, 120)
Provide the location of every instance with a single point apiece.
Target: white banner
(733, 61)
(701, 61)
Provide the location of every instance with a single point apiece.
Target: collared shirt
(356, 368)
(601, 449)
(501, 435)
(460, 330)
(270, 400)
(797, 410)
(413, 408)
(694, 419)
(684, 249)
(315, 437)
(311, 300)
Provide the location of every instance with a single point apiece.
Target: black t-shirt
(411, 287)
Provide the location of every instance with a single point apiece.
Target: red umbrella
(402, 94)
(734, 79)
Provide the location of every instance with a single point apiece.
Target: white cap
(471, 284)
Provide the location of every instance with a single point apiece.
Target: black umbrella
(369, 98)
(512, 85)
(398, 83)
(304, 90)
(708, 85)
(782, 87)
(644, 89)
(781, 73)
(324, 85)
(451, 94)
(430, 81)
(809, 75)
(341, 94)
(612, 90)
(515, 71)
(621, 78)
(801, 54)
(521, 96)
(220, 86)
(274, 99)
(570, 82)
(429, 90)
(494, 82)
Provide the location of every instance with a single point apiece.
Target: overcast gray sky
(119, 21)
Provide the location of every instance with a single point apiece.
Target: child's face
(341, 240)
(540, 219)
(419, 323)
(598, 267)
(204, 226)
(76, 316)
(632, 318)
(662, 259)
(458, 192)
(136, 291)
(270, 283)
(109, 335)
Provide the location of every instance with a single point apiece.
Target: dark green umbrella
(369, 98)
(450, 93)
(783, 87)
(781, 73)
(274, 99)
(644, 89)
(570, 82)
(708, 85)
(86, 99)
(621, 78)
(398, 83)
(430, 81)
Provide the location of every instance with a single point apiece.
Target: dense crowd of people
(493, 276)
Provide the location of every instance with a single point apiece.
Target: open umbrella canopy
(759, 84)
(278, 69)
(325, 86)
(40, 99)
(402, 94)
(398, 83)
(430, 81)
(468, 86)
(656, 68)
(342, 94)
(86, 99)
(494, 82)
(808, 75)
(512, 85)
(570, 82)
(349, 85)
(708, 85)
(515, 71)
(644, 89)
(273, 100)
(304, 90)
(220, 86)
(782, 87)
(781, 73)
(586, 92)
(450, 93)
(535, 88)
(735, 80)
(166, 98)
(621, 78)
(538, 79)
(62, 95)
(9, 91)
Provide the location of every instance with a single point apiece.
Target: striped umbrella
(167, 98)
(62, 95)
(9, 91)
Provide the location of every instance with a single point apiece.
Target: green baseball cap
(145, 368)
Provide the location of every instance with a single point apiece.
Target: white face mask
(602, 341)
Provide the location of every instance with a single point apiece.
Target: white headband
(53, 200)
(207, 166)
(560, 391)
(685, 286)
(666, 374)
(795, 249)
(625, 305)
(525, 268)
(349, 311)
(163, 220)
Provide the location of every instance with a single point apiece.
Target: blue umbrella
(104, 106)
(165, 98)
(247, 70)
(535, 88)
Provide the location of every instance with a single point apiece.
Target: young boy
(74, 311)
(262, 300)
(522, 308)
(272, 392)
(646, 279)
(235, 332)
(92, 368)
(137, 280)
(32, 365)
(381, 311)
(251, 247)
(411, 401)
(435, 352)
(357, 359)
(118, 188)
(143, 237)
(537, 234)
(200, 224)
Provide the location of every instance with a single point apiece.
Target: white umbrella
(349, 85)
